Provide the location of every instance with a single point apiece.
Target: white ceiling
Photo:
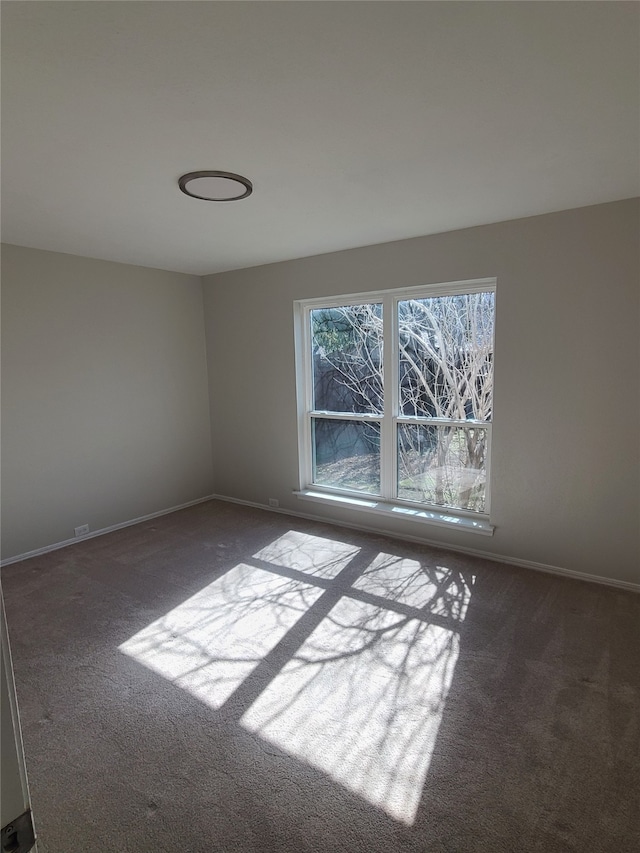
(358, 122)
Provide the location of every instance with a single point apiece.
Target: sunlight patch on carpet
(314, 555)
(399, 579)
(212, 641)
(362, 701)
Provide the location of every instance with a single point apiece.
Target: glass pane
(346, 454)
(442, 465)
(446, 356)
(346, 345)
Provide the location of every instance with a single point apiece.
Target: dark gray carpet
(228, 679)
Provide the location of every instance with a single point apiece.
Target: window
(395, 393)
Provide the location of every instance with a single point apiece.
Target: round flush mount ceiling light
(215, 186)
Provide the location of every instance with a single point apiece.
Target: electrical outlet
(82, 530)
(274, 502)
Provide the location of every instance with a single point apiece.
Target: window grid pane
(346, 454)
(346, 352)
(445, 350)
(443, 466)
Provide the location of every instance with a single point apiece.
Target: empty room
(320, 427)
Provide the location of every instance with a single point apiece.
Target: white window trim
(352, 499)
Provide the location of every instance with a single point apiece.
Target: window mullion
(344, 416)
(307, 451)
(453, 422)
(390, 371)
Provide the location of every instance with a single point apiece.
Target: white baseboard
(474, 552)
(66, 542)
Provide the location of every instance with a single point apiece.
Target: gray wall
(104, 395)
(566, 464)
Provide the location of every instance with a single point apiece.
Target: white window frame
(385, 503)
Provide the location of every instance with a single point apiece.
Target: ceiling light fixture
(215, 186)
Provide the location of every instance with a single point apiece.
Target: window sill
(401, 512)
